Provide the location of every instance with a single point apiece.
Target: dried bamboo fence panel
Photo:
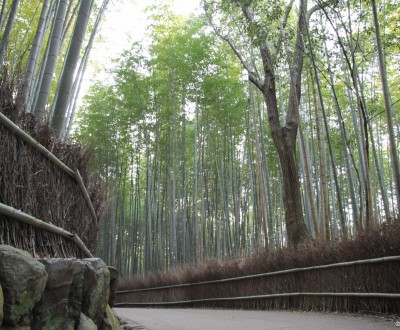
(371, 285)
(36, 177)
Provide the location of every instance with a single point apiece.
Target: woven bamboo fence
(45, 207)
(366, 285)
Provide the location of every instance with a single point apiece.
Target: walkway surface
(211, 319)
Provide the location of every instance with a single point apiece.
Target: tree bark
(388, 111)
(54, 48)
(64, 89)
(7, 30)
(23, 93)
(284, 137)
(344, 140)
(3, 7)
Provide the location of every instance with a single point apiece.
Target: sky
(125, 22)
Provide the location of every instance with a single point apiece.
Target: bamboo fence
(11, 213)
(372, 285)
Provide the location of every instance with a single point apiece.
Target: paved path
(207, 319)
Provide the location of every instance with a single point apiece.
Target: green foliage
(175, 138)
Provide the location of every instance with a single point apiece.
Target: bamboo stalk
(280, 272)
(32, 142)
(75, 238)
(87, 198)
(15, 214)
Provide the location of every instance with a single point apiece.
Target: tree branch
(252, 75)
(318, 6)
(283, 25)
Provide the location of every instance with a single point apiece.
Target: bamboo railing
(280, 272)
(249, 290)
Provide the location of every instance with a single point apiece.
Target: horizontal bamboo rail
(218, 294)
(28, 219)
(280, 272)
(265, 296)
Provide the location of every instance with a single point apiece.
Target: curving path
(211, 319)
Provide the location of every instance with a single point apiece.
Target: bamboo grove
(44, 51)
(184, 144)
(252, 126)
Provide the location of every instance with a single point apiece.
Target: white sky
(125, 22)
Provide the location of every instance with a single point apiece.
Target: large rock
(113, 284)
(52, 311)
(95, 290)
(54, 293)
(110, 321)
(75, 295)
(85, 323)
(23, 280)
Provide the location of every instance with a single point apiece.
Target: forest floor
(211, 319)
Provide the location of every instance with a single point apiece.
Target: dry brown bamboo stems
(15, 214)
(87, 198)
(280, 272)
(32, 142)
(268, 296)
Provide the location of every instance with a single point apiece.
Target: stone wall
(54, 293)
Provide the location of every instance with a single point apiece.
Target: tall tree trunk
(64, 89)
(284, 137)
(357, 221)
(51, 60)
(33, 95)
(262, 210)
(309, 190)
(183, 197)
(344, 141)
(148, 212)
(82, 68)
(325, 214)
(194, 241)
(174, 169)
(388, 107)
(31, 65)
(3, 7)
(363, 121)
(7, 30)
(333, 162)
